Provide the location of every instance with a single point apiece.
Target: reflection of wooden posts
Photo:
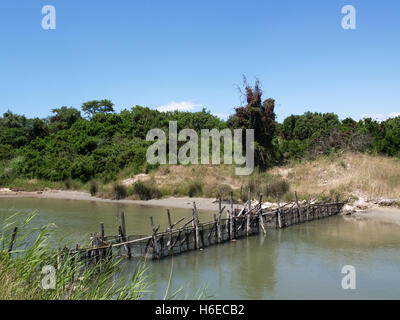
(169, 244)
(241, 195)
(298, 207)
(13, 236)
(278, 212)
(156, 252)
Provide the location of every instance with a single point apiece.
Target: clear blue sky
(152, 53)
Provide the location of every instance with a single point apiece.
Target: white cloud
(380, 116)
(180, 106)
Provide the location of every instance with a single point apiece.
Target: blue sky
(194, 53)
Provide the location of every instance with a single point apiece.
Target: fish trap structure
(183, 236)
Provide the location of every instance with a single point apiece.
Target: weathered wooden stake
(248, 214)
(155, 241)
(278, 212)
(231, 218)
(169, 244)
(261, 221)
(123, 223)
(219, 224)
(298, 207)
(102, 231)
(215, 229)
(14, 234)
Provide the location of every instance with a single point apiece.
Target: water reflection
(301, 262)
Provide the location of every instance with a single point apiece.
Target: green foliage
(259, 116)
(95, 106)
(67, 147)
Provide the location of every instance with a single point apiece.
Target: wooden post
(278, 212)
(169, 244)
(231, 218)
(249, 198)
(13, 236)
(123, 223)
(248, 214)
(102, 231)
(154, 238)
(337, 203)
(298, 207)
(197, 225)
(219, 223)
(261, 221)
(215, 229)
(241, 195)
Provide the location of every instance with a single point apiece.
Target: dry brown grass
(349, 175)
(177, 179)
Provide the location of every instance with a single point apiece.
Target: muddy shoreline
(381, 208)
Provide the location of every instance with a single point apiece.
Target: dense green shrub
(119, 191)
(146, 191)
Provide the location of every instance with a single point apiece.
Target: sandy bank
(185, 203)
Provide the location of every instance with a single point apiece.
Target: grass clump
(145, 191)
(94, 187)
(195, 189)
(119, 191)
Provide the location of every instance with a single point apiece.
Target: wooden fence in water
(193, 235)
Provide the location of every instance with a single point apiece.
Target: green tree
(259, 116)
(95, 106)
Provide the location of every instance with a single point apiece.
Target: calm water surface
(301, 262)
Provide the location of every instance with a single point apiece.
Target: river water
(301, 262)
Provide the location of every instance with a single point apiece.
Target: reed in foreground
(31, 269)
